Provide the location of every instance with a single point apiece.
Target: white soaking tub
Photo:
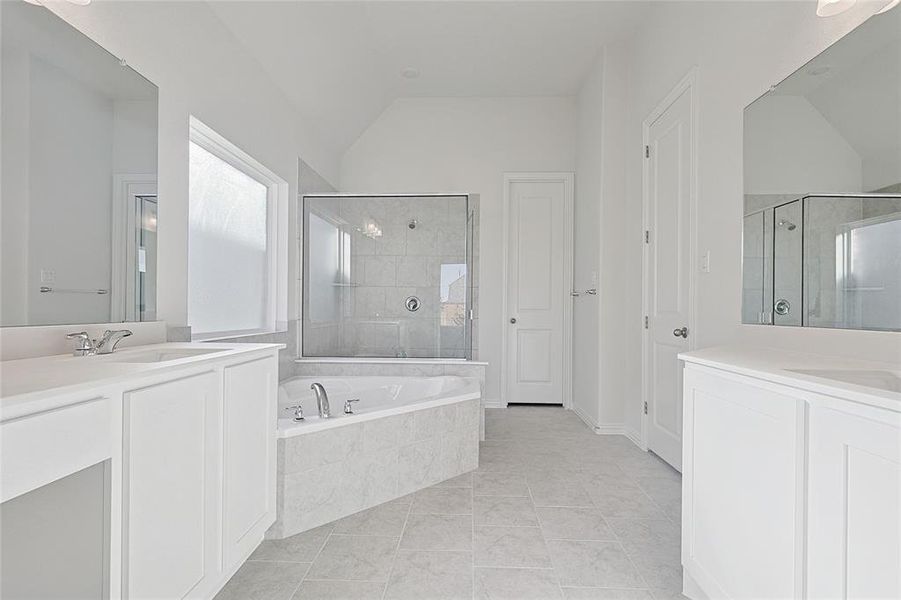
(406, 433)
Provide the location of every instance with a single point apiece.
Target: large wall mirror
(822, 188)
(78, 198)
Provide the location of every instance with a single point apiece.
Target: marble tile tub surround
(337, 472)
(497, 532)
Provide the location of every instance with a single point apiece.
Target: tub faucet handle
(348, 409)
(298, 412)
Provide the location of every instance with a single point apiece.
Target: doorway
(669, 189)
(538, 248)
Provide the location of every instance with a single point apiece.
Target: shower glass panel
(787, 248)
(387, 276)
(852, 262)
(757, 268)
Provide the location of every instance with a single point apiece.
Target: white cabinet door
(250, 398)
(854, 519)
(742, 514)
(172, 443)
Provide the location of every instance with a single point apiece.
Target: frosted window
(227, 252)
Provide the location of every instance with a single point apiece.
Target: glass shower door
(787, 266)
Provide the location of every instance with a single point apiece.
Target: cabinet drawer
(41, 448)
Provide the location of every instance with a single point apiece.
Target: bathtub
(406, 434)
(378, 397)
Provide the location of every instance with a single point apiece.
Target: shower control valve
(348, 409)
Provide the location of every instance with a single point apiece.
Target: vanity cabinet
(170, 468)
(854, 522)
(789, 490)
(742, 526)
(248, 456)
(187, 456)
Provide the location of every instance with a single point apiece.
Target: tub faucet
(321, 400)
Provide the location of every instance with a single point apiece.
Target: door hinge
(647, 151)
(647, 236)
(645, 408)
(645, 322)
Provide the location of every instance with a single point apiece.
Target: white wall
(201, 70)
(465, 145)
(587, 241)
(740, 49)
(790, 148)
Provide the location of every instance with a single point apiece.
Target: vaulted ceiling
(342, 63)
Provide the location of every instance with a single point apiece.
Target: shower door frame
(468, 254)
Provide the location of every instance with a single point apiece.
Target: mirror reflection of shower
(787, 224)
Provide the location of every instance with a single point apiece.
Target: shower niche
(389, 276)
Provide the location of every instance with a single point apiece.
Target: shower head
(412, 224)
(787, 224)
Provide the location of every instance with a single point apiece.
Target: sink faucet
(110, 339)
(105, 345)
(321, 400)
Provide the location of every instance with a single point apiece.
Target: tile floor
(553, 512)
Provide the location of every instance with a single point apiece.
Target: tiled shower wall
(363, 314)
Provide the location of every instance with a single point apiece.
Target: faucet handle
(298, 412)
(348, 409)
(85, 344)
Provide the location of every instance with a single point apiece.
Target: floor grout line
(397, 549)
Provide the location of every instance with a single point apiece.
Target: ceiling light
(892, 4)
(830, 8)
(410, 73)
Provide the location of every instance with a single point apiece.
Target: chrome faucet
(110, 339)
(85, 345)
(321, 400)
(105, 345)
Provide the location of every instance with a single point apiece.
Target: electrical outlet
(48, 276)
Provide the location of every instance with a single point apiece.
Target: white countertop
(24, 382)
(779, 366)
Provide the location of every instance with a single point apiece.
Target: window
(233, 240)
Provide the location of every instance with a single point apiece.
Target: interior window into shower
(386, 276)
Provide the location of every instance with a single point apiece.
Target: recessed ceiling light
(410, 73)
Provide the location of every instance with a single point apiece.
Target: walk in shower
(824, 261)
(388, 276)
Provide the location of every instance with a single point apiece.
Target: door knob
(681, 332)
(513, 320)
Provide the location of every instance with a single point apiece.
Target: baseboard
(492, 403)
(635, 436)
(587, 420)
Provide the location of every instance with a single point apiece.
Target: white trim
(125, 188)
(492, 403)
(567, 178)
(277, 224)
(688, 83)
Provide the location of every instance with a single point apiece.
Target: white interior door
(539, 275)
(669, 168)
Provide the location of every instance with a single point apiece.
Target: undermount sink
(152, 356)
(889, 381)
